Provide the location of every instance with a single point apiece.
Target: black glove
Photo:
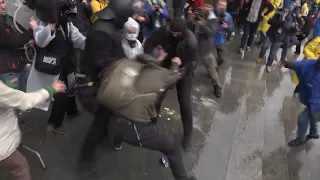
(287, 64)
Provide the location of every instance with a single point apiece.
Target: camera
(157, 4)
(281, 14)
(199, 14)
(50, 11)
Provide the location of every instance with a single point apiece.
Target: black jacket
(12, 59)
(205, 35)
(103, 47)
(186, 49)
(279, 29)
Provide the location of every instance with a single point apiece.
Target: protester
(130, 44)
(309, 80)
(290, 38)
(12, 59)
(55, 36)
(280, 25)
(10, 157)
(252, 11)
(225, 25)
(179, 42)
(268, 12)
(97, 5)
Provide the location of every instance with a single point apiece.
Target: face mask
(131, 37)
(178, 38)
(221, 12)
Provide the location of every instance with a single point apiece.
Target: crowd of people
(134, 51)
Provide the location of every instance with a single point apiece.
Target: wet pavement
(241, 136)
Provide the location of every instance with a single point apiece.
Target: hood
(317, 28)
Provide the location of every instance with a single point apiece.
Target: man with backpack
(132, 90)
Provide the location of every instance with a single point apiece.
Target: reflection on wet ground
(241, 136)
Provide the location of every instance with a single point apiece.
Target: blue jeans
(274, 46)
(304, 119)
(7, 77)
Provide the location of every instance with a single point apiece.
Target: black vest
(60, 46)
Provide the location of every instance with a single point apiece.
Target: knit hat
(178, 25)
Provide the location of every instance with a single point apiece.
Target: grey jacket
(43, 36)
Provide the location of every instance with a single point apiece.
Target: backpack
(131, 88)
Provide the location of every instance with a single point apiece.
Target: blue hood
(316, 32)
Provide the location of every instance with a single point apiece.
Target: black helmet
(119, 10)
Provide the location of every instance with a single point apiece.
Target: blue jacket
(316, 31)
(309, 84)
(148, 29)
(220, 37)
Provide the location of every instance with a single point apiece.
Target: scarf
(254, 11)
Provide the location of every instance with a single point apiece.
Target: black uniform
(186, 48)
(103, 47)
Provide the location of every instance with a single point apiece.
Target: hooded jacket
(271, 7)
(130, 44)
(309, 84)
(140, 84)
(186, 49)
(312, 48)
(10, 99)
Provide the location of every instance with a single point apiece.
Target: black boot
(296, 142)
(186, 143)
(217, 91)
(309, 137)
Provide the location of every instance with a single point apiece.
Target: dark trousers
(211, 65)
(178, 6)
(62, 104)
(221, 53)
(274, 46)
(184, 87)
(288, 42)
(17, 166)
(96, 134)
(148, 135)
(249, 31)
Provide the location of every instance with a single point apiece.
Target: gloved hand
(48, 11)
